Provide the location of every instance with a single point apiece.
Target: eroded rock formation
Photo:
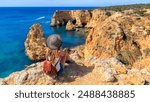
(94, 71)
(119, 35)
(35, 44)
(78, 17)
(70, 26)
(117, 50)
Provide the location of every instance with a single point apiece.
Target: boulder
(32, 75)
(108, 77)
(105, 68)
(131, 79)
(70, 26)
(35, 44)
(20, 78)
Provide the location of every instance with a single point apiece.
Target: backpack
(48, 66)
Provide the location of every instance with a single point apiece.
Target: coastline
(98, 57)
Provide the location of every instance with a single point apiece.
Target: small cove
(14, 27)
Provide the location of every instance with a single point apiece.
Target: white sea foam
(42, 17)
(47, 22)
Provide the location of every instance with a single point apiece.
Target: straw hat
(54, 41)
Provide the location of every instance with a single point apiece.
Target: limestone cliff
(80, 72)
(78, 17)
(35, 44)
(98, 16)
(111, 34)
(116, 51)
(119, 35)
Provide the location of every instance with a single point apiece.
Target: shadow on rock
(74, 70)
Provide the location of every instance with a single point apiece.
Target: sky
(68, 3)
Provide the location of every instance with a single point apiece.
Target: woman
(56, 54)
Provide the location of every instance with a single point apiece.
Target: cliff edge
(116, 51)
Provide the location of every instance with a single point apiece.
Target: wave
(42, 17)
(47, 22)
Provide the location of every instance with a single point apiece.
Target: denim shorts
(60, 72)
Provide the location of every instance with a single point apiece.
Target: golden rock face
(116, 51)
(120, 35)
(111, 34)
(78, 17)
(35, 43)
(70, 26)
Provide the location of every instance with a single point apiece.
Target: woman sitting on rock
(55, 53)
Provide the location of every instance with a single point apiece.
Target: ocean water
(14, 27)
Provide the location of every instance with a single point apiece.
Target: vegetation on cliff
(126, 7)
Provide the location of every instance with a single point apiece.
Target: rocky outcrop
(111, 71)
(93, 71)
(116, 50)
(98, 16)
(79, 17)
(117, 36)
(35, 44)
(70, 26)
(32, 75)
(110, 33)
(120, 35)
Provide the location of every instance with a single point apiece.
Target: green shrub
(148, 32)
(138, 18)
(141, 12)
(108, 13)
(127, 38)
(127, 7)
(147, 52)
(111, 35)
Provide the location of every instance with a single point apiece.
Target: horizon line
(81, 6)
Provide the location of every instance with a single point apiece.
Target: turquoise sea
(14, 27)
